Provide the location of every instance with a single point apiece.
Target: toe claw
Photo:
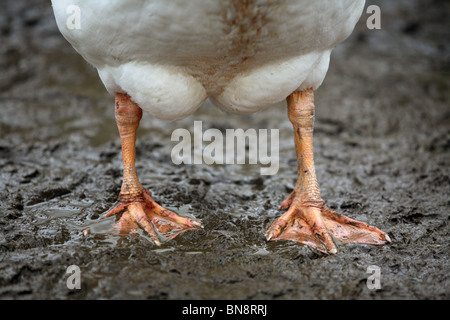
(197, 223)
(333, 251)
(388, 239)
(274, 231)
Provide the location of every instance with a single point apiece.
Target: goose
(166, 57)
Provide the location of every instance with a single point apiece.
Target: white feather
(169, 56)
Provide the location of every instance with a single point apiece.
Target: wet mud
(382, 152)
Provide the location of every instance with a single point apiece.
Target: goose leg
(135, 207)
(307, 220)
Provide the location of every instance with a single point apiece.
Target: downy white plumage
(170, 56)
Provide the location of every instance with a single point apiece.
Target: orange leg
(135, 203)
(307, 220)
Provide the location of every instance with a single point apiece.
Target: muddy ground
(382, 150)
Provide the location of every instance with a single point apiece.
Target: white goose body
(170, 56)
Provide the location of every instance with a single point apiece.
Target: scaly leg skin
(135, 203)
(307, 220)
